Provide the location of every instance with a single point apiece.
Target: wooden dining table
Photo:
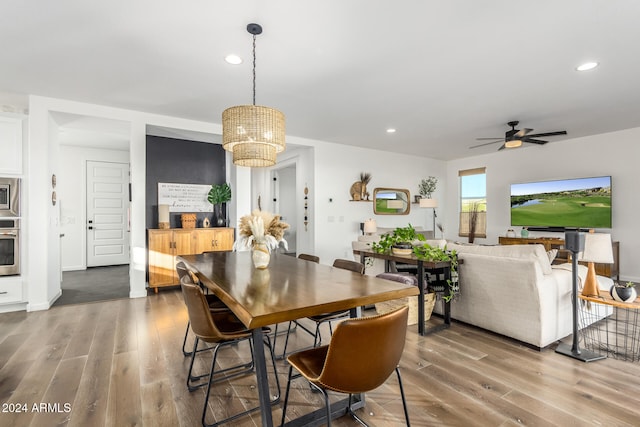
(289, 289)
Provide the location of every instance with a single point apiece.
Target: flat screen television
(581, 203)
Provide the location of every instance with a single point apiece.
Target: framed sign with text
(184, 197)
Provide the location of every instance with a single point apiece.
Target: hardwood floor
(118, 363)
(94, 284)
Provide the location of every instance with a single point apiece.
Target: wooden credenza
(607, 270)
(164, 245)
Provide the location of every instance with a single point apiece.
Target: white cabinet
(11, 143)
(10, 290)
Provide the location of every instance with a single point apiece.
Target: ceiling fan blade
(502, 147)
(522, 132)
(498, 138)
(561, 132)
(534, 141)
(486, 143)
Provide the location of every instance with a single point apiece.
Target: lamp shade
(370, 226)
(428, 203)
(597, 248)
(254, 134)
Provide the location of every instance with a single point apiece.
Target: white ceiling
(441, 72)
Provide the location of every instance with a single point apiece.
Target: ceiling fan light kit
(513, 144)
(515, 137)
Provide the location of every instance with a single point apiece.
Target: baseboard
(7, 308)
(138, 294)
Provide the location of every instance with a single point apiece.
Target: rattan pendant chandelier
(253, 133)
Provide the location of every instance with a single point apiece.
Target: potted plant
(624, 292)
(219, 194)
(427, 252)
(427, 186)
(399, 241)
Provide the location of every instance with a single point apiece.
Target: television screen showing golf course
(580, 203)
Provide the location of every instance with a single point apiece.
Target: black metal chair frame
(220, 375)
(182, 270)
(323, 318)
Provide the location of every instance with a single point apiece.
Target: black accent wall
(180, 161)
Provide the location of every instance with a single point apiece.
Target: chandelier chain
(254, 69)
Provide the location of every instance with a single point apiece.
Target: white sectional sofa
(515, 291)
(512, 290)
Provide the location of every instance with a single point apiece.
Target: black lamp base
(582, 355)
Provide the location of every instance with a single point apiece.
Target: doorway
(93, 185)
(285, 202)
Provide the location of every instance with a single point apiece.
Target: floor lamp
(574, 242)
(430, 203)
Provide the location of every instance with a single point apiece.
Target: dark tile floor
(94, 284)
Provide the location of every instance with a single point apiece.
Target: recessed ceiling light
(233, 59)
(391, 130)
(587, 66)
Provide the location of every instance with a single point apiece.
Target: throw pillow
(552, 255)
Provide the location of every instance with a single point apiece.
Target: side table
(615, 331)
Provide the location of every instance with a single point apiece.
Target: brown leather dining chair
(309, 257)
(219, 329)
(362, 354)
(214, 302)
(347, 264)
(319, 319)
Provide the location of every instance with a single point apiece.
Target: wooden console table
(606, 270)
(422, 267)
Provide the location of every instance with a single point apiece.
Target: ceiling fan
(515, 137)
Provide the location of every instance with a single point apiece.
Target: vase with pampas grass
(261, 232)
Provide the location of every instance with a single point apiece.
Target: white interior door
(107, 213)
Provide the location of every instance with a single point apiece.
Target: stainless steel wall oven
(9, 226)
(9, 246)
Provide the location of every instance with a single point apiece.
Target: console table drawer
(10, 292)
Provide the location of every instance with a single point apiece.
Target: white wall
(329, 170)
(614, 154)
(337, 219)
(72, 198)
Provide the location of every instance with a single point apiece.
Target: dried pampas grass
(263, 227)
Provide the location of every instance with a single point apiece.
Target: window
(473, 203)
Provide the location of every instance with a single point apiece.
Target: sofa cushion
(508, 251)
(406, 278)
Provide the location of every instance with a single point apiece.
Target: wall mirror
(391, 201)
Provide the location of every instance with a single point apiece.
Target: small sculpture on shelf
(358, 190)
